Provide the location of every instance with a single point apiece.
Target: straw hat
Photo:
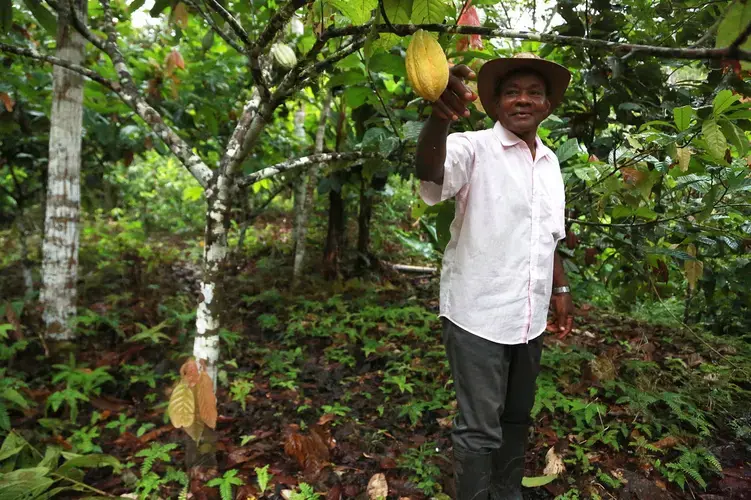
(557, 77)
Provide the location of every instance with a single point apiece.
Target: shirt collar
(509, 139)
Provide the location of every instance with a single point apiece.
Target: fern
(225, 483)
(263, 477)
(157, 451)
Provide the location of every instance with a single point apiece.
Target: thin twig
(233, 23)
(212, 25)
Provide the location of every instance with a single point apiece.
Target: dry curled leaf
(182, 406)
(310, 451)
(378, 487)
(553, 463)
(206, 400)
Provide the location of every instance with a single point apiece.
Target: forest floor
(337, 382)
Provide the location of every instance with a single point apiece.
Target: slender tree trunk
(335, 236)
(61, 225)
(302, 220)
(301, 188)
(211, 300)
(363, 225)
(28, 277)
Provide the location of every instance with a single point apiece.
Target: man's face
(522, 103)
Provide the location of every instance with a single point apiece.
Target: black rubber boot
(472, 473)
(508, 463)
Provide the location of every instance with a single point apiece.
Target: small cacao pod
(283, 55)
(590, 254)
(571, 240)
(427, 67)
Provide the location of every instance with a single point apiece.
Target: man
(500, 266)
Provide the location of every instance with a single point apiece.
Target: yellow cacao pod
(427, 67)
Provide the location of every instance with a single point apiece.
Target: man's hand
(453, 102)
(564, 315)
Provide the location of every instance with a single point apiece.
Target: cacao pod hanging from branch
(427, 67)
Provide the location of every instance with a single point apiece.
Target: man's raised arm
(431, 145)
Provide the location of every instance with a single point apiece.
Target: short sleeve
(457, 170)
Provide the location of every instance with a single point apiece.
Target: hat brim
(557, 76)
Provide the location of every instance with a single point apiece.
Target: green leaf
(567, 150)
(41, 14)
(159, 6)
(428, 11)
(388, 63)
(12, 445)
(135, 5)
(682, 117)
(358, 11)
(723, 100)
(709, 201)
(357, 96)
(192, 193)
(716, 142)
(6, 15)
(411, 130)
(93, 460)
(737, 17)
(535, 482)
(13, 396)
(735, 136)
(398, 11)
(346, 78)
(208, 40)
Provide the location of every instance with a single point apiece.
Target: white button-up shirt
(497, 274)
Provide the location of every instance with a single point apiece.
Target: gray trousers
(494, 383)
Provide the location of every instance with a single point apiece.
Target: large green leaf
(735, 136)
(93, 460)
(398, 12)
(388, 63)
(568, 150)
(41, 14)
(358, 11)
(682, 117)
(716, 142)
(135, 5)
(534, 482)
(14, 396)
(12, 445)
(723, 100)
(428, 11)
(737, 17)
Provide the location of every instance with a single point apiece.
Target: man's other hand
(563, 306)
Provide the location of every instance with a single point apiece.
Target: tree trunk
(335, 236)
(61, 226)
(301, 222)
(28, 277)
(211, 300)
(363, 225)
(301, 187)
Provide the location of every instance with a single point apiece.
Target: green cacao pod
(284, 55)
(427, 67)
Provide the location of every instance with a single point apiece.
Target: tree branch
(276, 23)
(130, 95)
(233, 23)
(81, 70)
(742, 37)
(304, 161)
(224, 35)
(617, 48)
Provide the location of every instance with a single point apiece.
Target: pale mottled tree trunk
(301, 218)
(61, 225)
(302, 183)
